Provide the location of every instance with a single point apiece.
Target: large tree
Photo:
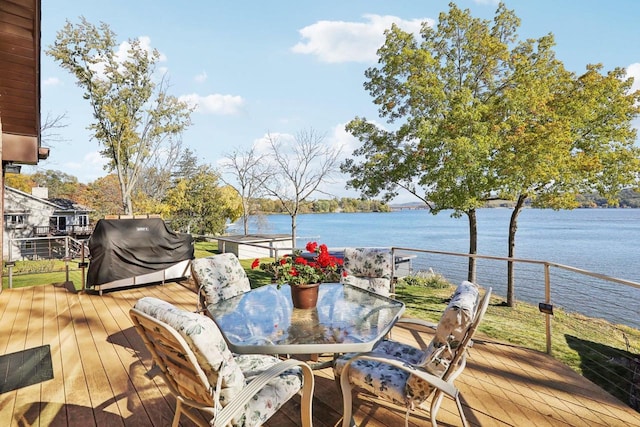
(299, 168)
(480, 115)
(563, 135)
(199, 205)
(436, 95)
(103, 196)
(134, 116)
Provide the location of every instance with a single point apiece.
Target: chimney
(40, 192)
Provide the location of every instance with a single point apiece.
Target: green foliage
(428, 279)
(344, 204)
(187, 166)
(439, 93)
(19, 181)
(104, 196)
(199, 206)
(627, 199)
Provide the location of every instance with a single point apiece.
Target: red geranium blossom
(300, 270)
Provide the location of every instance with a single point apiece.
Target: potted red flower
(303, 273)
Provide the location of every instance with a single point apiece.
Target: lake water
(603, 241)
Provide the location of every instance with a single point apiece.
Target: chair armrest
(425, 323)
(420, 322)
(224, 416)
(436, 382)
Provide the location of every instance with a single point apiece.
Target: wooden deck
(99, 366)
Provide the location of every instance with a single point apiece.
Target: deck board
(52, 391)
(99, 364)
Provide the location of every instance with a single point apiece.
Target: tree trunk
(245, 216)
(293, 230)
(473, 244)
(128, 207)
(513, 227)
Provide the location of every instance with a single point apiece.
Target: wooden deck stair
(99, 366)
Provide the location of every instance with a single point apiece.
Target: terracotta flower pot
(305, 296)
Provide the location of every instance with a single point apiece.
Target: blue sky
(279, 67)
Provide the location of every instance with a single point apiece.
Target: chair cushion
(368, 268)
(376, 285)
(380, 378)
(272, 396)
(454, 323)
(206, 342)
(220, 277)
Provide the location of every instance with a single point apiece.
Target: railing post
(66, 268)
(547, 299)
(9, 264)
(393, 271)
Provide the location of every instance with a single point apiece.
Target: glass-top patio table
(346, 319)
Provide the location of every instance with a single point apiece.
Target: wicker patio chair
(408, 376)
(199, 369)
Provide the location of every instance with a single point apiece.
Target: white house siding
(36, 211)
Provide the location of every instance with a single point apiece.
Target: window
(58, 223)
(15, 220)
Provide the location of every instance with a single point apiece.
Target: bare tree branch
(300, 167)
(250, 171)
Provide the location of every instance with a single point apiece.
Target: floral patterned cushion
(379, 378)
(220, 277)
(206, 342)
(272, 396)
(400, 386)
(451, 329)
(368, 268)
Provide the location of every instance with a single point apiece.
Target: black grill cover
(124, 248)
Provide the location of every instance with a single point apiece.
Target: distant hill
(408, 206)
(628, 199)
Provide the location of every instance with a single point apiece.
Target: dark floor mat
(25, 368)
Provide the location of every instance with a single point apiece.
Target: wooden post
(1, 201)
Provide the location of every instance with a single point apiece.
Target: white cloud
(145, 43)
(51, 81)
(122, 54)
(201, 78)
(90, 168)
(262, 145)
(339, 41)
(95, 158)
(342, 139)
(89, 161)
(633, 70)
(214, 104)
